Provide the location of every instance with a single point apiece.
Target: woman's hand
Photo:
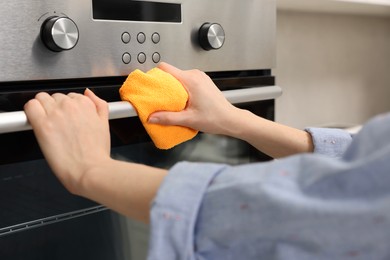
(207, 109)
(72, 131)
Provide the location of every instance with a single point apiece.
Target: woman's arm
(73, 133)
(127, 188)
(209, 111)
(271, 138)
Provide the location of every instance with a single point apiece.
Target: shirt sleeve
(297, 208)
(175, 210)
(308, 206)
(330, 141)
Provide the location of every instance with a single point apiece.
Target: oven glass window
(31, 196)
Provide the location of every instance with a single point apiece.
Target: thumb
(101, 105)
(169, 118)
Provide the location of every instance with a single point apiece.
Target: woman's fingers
(177, 73)
(44, 104)
(34, 112)
(59, 97)
(169, 118)
(47, 102)
(101, 105)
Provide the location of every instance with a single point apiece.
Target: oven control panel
(140, 38)
(102, 38)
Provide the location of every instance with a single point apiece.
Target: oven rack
(50, 220)
(33, 197)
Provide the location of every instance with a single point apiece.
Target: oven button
(141, 58)
(155, 38)
(156, 57)
(59, 33)
(126, 58)
(126, 37)
(211, 36)
(141, 37)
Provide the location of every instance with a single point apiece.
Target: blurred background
(333, 61)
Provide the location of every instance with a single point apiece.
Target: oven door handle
(17, 121)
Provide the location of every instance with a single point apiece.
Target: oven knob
(211, 36)
(59, 33)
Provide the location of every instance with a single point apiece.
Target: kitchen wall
(334, 68)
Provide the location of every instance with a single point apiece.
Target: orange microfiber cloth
(155, 91)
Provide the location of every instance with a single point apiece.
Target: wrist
(89, 175)
(236, 123)
(124, 187)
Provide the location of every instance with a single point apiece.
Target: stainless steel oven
(64, 46)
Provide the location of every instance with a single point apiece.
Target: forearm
(124, 187)
(271, 138)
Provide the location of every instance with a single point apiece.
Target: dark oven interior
(39, 219)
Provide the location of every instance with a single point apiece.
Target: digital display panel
(131, 10)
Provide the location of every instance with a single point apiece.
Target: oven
(67, 46)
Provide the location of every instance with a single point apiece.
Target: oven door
(39, 219)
